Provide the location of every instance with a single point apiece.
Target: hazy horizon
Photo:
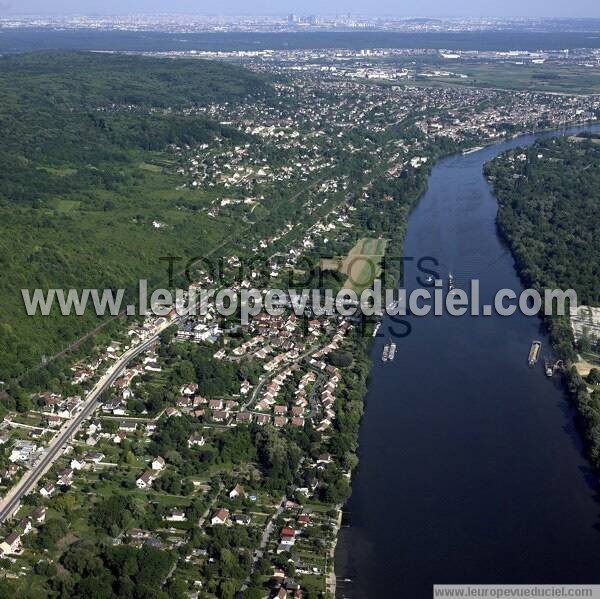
(410, 8)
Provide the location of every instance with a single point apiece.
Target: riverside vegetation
(549, 213)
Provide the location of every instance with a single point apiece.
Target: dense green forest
(84, 172)
(549, 212)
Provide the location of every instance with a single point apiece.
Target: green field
(362, 265)
(543, 77)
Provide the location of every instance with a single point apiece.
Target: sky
(476, 8)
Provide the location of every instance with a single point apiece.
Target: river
(470, 468)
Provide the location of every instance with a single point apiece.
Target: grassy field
(545, 77)
(548, 77)
(362, 265)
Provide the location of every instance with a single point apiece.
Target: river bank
(510, 223)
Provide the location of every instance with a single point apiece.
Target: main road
(12, 501)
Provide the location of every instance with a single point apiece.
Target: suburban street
(11, 502)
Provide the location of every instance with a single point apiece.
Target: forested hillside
(84, 173)
(62, 110)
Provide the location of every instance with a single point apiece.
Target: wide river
(470, 469)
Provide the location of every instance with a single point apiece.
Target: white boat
(392, 353)
(386, 353)
(471, 150)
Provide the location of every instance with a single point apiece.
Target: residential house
(215, 404)
(189, 389)
(47, 489)
(323, 460)
(219, 416)
(196, 440)
(119, 436)
(24, 526)
(262, 419)
(129, 426)
(77, 464)
(11, 544)
(220, 517)
(145, 481)
(303, 519)
(243, 417)
(39, 514)
(176, 516)
(158, 464)
(237, 491)
(287, 536)
(94, 456)
(54, 421)
(65, 477)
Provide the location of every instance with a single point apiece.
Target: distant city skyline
(425, 8)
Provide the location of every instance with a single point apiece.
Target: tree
(340, 359)
(584, 345)
(113, 512)
(52, 531)
(168, 334)
(227, 589)
(81, 559)
(593, 377)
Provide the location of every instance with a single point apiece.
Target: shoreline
(331, 576)
(573, 384)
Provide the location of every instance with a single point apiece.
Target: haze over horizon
(424, 8)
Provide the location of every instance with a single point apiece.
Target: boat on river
(392, 352)
(548, 367)
(471, 150)
(534, 353)
(386, 353)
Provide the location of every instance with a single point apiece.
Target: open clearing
(362, 265)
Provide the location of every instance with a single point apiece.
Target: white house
(237, 491)
(196, 440)
(220, 517)
(145, 481)
(47, 490)
(39, 514)
(11, 544)
(158, 464)
(176, 516)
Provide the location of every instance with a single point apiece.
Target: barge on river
(534, 353)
